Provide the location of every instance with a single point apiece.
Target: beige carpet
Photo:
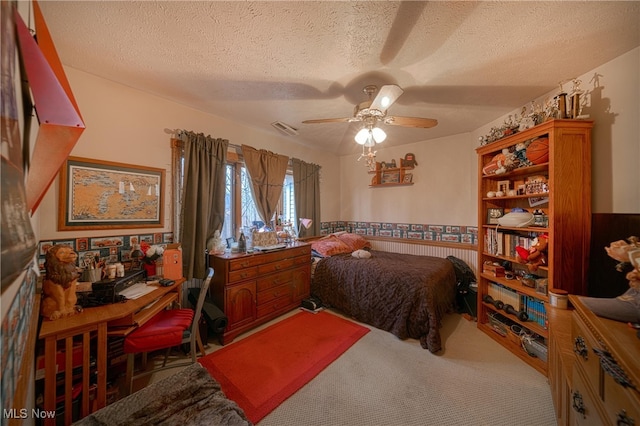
(382, 380)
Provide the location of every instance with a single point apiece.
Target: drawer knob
(611, 367)
(623, 420)
(578, 404)
(580, 348)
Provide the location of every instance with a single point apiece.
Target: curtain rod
(238, 148)
(174, 133)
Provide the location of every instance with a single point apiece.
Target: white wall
(442, 192)
(614, 106)
(446, 177)
(127, 126)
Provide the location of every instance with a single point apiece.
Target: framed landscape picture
(391, 177)
(97, 194)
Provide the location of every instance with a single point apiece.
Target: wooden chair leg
(166, 357)
(131, 359)
(200, 345)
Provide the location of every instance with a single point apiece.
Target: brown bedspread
(404, 294)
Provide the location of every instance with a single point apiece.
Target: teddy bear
(536, 255)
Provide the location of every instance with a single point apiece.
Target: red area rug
(259, 372)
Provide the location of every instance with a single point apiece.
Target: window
(240, 209)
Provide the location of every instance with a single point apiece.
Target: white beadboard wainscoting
(468, 253)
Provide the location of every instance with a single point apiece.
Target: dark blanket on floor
(405, 294)
(189, 397)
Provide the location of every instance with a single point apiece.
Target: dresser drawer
(274, 293)
(245, 262)
(274, 280)
(279, 255)
(302, 260)
(619, 402)
(583, 344)
(279, 304)
(267, 268)
(243, 274)
(301, 251)
(582, 403)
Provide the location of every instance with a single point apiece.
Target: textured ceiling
(462, 63)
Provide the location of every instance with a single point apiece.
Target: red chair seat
(163, 331)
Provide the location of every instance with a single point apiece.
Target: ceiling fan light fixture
(362, 136)
(378, 134)
(369, 137)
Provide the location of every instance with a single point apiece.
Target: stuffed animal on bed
(361, 254)
(59, 285)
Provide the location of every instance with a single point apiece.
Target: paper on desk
(137, 290)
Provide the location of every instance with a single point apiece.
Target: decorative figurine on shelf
(626, 307)
(216, 245)
(59, 285)
(136, 257)
(561, 103)
(409, 160)
(576, 98)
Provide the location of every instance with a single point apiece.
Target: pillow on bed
(329, 246)
(356, 242)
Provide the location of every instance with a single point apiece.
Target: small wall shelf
(390, 176)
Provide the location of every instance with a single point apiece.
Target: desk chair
(167, 329)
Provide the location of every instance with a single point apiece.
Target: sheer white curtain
(266, 171)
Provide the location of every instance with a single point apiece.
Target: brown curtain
(266, 171)
(203, 190)
(306, 190)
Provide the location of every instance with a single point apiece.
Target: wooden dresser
(254, 288)
(605, 376)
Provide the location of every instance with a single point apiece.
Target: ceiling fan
(374, 111)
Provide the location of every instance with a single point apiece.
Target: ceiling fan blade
(329, 120)
(411, 122)
(386, 96)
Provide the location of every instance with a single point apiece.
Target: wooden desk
(118, 319)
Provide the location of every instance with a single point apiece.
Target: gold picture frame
(96, 194)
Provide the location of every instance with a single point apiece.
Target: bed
(407, 295)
